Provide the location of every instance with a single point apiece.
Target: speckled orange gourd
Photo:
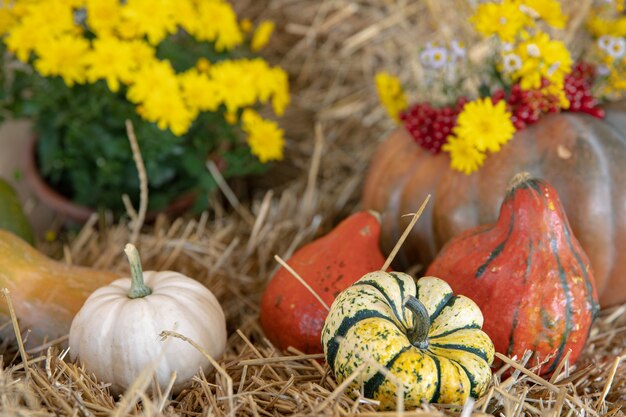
(528, 274)
(290, 314)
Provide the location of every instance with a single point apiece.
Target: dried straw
(332, 49)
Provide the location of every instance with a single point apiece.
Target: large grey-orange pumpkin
(582, 157)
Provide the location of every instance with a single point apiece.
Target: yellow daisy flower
(235, 82)
(111, 59)
(485, 125)
(391, 94)
(152, 18)
(547, 10)
(102, 15)
(264, 136)
(65, 57)
(262, 35)
(504, 20)
(464, 157)
(199, 92)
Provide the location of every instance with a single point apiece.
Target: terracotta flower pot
(72, 211)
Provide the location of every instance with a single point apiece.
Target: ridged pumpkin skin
(290, 314)
(117, 338)
(527, 273)
(582, 157)
(368, 325)
(46, 294)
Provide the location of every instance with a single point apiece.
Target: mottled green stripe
(568, 306)
(437, 392)
(568, 237)
(372, 384)
(445, 302)
(470, 376)
(449, 332)
(382, 291)
(528, 270)
(464, 348)
(342, 330)
(497, 250)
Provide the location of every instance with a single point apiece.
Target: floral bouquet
(530, 73)
(184, 72)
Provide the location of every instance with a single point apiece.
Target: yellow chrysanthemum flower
(216, 22)
(391, 94)
(464, 157)
(504, 20)
(262, 35)
(34, 27)
(65, 57)
(265, 138)
(163, 105)
(154, 19)
(149, 76)
(102, 15)
(199, 92)
(113, 60)
(236, 84)
(280, 96)
(485, 125)
(599, 26)
(542, 57)
(547, 10)
(7, 19)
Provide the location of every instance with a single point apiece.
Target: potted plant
(527, 102)
(190, 83)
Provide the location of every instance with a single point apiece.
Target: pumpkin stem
(518, 179)
(418, 335)
(138, 288)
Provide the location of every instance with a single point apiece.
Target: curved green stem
(138, 288)
(418, 335)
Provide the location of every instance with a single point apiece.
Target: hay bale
(332, 50)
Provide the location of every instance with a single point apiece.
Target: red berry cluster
(577, 88)
(430, 126)
(527, 106)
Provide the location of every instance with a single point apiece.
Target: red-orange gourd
(527, 273)
(581, 156)
(290, 314)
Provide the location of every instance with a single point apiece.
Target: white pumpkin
(116, 332)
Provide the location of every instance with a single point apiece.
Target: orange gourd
(527, 273)
(45, 294)
(292, 316)
(581, 156)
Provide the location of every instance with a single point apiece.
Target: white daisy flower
(604, 42)
(617, 48)
(533, 50)
(511, 62)
(458, 49)
(439, 57)
(434, 57)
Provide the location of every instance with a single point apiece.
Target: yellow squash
(410, 337)
(46, 294)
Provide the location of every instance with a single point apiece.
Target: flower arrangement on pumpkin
(186, 73)
(531, 73)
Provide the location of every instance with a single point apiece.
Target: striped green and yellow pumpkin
(403, 335)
